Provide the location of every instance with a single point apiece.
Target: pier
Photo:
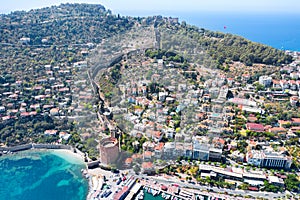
(134, 191)
(146, 186)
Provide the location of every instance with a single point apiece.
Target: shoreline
(66, 152)
(70, 155)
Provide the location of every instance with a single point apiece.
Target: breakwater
(34, 146)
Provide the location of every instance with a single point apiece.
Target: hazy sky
(154, 6)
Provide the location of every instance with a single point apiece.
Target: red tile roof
(296, 120)
(255, 127)
(136, 156)
(160, 146)
(156, 134)
(253, 188)
(147, 165)
(277, 129)
(252, 119)
(148, 153)
(128, 160)
(24, 114)
(275, 81)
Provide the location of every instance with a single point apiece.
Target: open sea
(279, 30)
(42, 174)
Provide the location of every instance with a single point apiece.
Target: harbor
(126, 186)
(153, 190)
(162, 193)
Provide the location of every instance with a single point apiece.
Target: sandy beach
(69, 155)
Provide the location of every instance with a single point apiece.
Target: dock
(135, 189)
(166, 192)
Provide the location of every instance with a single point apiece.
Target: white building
(2, 109)
(80, 64)
(265, 80)
(24, 40)
(294, 75)
(268, 159)
(170, 133)
(162, 96)
(254, 157)
(44, 40)
(276, 160)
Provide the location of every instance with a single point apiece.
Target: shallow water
(41, 175)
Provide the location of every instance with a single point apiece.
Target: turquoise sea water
(148, 196)
(279, 30)
(36, 175)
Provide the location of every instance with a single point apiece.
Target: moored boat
(140, 195)
(154, 192)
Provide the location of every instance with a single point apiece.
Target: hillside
(62, 25)
(175, 98)
(199, 45)
(39, 49)
(85, 23)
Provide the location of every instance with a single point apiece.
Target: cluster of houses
(48, 92)
(162, 108)
(154, 117)
(286, 128)
(56, 91)
(204, 148)
(159, 112)
(198, 148)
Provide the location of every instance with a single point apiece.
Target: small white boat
(141, 195)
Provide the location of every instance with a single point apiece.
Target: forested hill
(64, 24)
(220, 47)
(89, 23)
(235, 48)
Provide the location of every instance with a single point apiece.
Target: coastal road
(266, 195)
(163, 180)
(209, 189)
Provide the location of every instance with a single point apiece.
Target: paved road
(220, 190)
(212, 190)
(159, 179)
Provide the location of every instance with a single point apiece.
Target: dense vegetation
(236, 48)
(26, 131)
(65, 24)
(200, 45)
(169, 56)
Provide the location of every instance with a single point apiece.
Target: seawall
(34, 146)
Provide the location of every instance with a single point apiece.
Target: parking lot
(105, 184)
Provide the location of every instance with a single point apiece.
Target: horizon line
(150, 12)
